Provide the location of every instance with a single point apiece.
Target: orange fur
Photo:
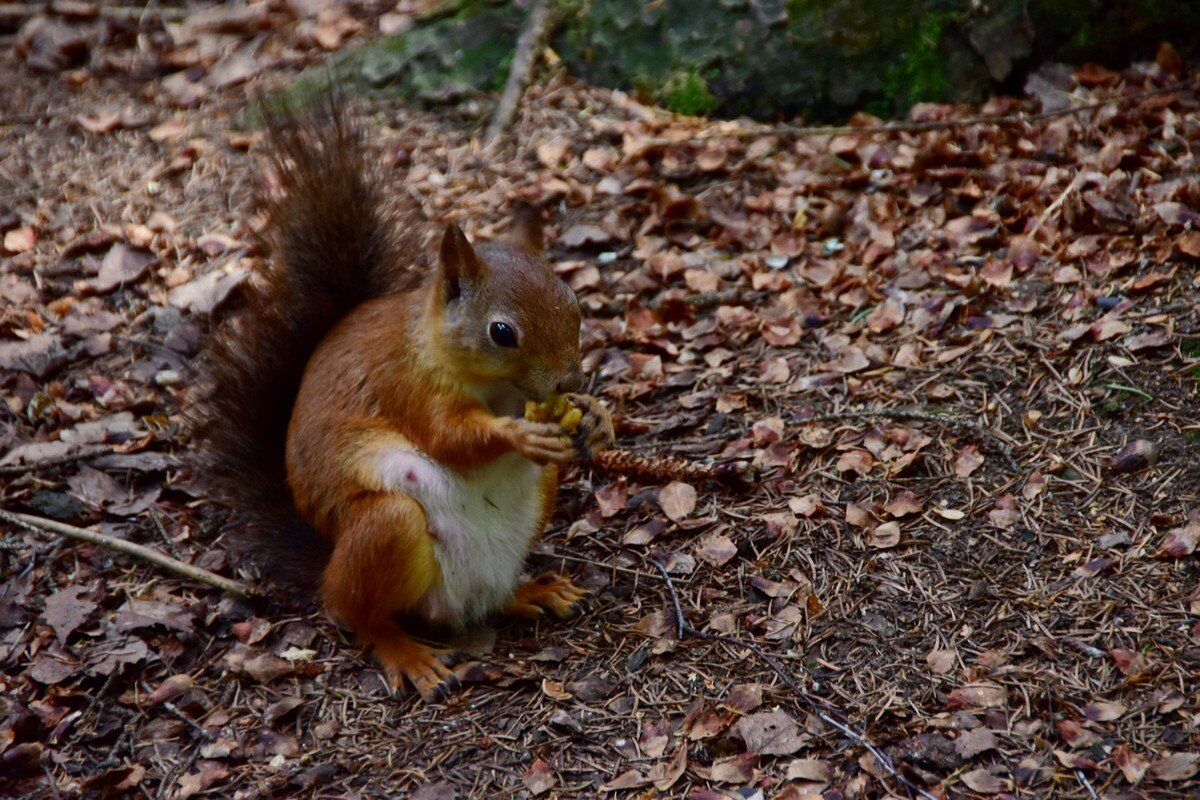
(406, 420)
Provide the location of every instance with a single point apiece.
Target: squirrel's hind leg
(383, 563)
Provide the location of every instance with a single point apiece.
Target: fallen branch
(923, 416)
(1050, 209)
(664, 469)
(529, 44)
(40, 525)
(1083, 779)
(120, 13)
(821, 708)
(82, 454)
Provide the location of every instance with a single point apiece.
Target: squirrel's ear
(459, 262)
(527, 230)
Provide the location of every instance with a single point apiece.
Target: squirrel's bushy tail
(335, 240)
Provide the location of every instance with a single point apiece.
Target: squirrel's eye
(502, 334)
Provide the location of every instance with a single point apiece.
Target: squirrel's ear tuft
(527, 230)
(459, 262)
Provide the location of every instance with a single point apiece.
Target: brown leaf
(1137, 455)
(626, 780)
(859, 461)
(677, 500)
(850, 359)
(717, 549)
(1179, 542)
(1132, 665)
(113, 655)
(1176, 767)
(593, 689)
(580, 236)
(207, 773)
(1005, 513)
(984, 782)
(941, 661)
(1147, 341)
(808, 769)
(122, 265)
(67, 609)
(744, 697)
(20, 240)
(1132, 765)
(1189, 244)
(265, 667)
(809, 505)
(539, 778)
(612, 499)
(772, 733)
(737, 769)
(973, 742)
(1103, 711)
(664, 775)
(39, 355)
(967, 460)
(903, 504)
(207, 292)
(171, 688)
(885, 536)
(977, 695)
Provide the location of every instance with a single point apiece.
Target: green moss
(919, 73)
(826, 60)
(685, 92)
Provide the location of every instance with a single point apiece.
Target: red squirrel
(364, 412)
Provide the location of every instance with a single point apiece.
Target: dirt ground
(962, 358)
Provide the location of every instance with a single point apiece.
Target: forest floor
(964, 360)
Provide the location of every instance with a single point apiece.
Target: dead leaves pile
(1021, 291)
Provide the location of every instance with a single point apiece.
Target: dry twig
(81, 454)
(40, 525)
(533, 38)
(120, 13)
(822, 709)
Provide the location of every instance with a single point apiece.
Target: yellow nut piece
(557, 409)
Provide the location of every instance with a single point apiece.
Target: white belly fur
(483, 523)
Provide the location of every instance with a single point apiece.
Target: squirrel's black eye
(502, 334)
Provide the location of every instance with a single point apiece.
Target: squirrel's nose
(573, 382)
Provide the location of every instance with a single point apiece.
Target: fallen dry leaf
(677, 500)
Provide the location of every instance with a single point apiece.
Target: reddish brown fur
(393, 355)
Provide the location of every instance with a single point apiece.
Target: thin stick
(949, 421)
(81, 454)
(40, 525)
(821, 708)
(529, 45)
(130, 13)
(1050, 209)
(1091, 790)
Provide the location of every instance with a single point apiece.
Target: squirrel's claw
(595, 432)
(547, 592)
(404, 659)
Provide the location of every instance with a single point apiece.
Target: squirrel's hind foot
(403, 658)
(547, 592)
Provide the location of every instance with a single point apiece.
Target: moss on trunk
(820, 59)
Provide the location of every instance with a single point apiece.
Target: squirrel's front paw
(595, 432)
(540, 442)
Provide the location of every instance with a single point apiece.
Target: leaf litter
(1018, 293)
